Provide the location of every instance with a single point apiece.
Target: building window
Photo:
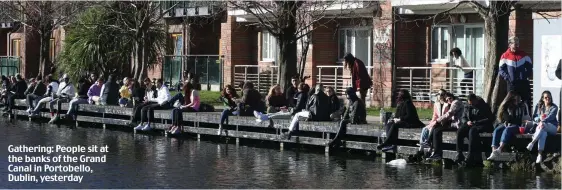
(268, 47)
(356, 41)
(440, 43)
(178, 44)
(16, 47)
(52, 50)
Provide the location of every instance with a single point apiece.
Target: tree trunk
(44, 53)
(288, 43)
(496, 35)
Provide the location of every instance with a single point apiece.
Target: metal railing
(336, 77)
(9, 65)
(262, 76)
(208, 67)
(423, 82)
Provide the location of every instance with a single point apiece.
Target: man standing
(360, 78)
(516, 68)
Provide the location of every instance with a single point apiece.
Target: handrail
(202, 55)
(472, 68)
(272, 66)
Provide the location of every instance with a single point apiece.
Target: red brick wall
(382, 56)
(324, 49)
(205, 38)
(239, 47)
(521, 25)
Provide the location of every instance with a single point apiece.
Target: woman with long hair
(275, 100)
(228, 98)
(545, 119)
(406, 116)
(192, 102)
(512, 114)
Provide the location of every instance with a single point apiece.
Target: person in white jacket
(52, 89)
(162, 102)
(65, 92)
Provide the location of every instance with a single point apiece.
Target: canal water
(142, 161)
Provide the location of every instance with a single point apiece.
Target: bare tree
(290, 21)
(42, 18)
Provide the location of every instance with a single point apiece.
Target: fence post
(320, 75)
(411, 81)
(271, 76)
(259, 76)
(473, 81)
(245, 73)
(451, 84)
(430, 83)
(336, 79)
(208, 83)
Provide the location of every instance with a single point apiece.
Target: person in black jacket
(110, 92)
(477, 118)
(82, 98)
(406, 116)
(302, 98)
(319, 105)
(334, 100)
(355, 112)
(30, 87)
(291, 91)
(17, 92)
(275, 100)
(37, 94)
(251, 101)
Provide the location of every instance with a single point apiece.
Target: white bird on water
(397, 162)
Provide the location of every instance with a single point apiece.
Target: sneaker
(434, 157)
(423, 145)
(494, 154)
(170, 129)
(256, 114)
(139, 127)
(176, 131)
(219, 131)
(147, 127)
(539, 159)
(530, 146)
(388, 148)
(29, 111)
(258, 121)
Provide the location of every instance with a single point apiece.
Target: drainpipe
(393, 61)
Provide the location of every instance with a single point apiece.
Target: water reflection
(142, 161)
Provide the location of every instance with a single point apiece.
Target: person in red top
(359, 76)
(516, 68)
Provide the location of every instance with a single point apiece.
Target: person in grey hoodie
(449, 121)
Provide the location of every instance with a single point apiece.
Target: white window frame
(450, 45)
(439, 60)
(352, 51)
(271, 54)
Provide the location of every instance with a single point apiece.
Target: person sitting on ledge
(355, 113)
(439, 108)
(192, 102)
(512, 114)
(65, 92)
(449, 121)
(477, 118)
(149, 94)
(317, 109)
(334, 102)
(251, 101)
(162, 102)
(302, 98)
(229, 97)
(94, 91)
(291, 91)
(110, 92)
(30, 86)
(406, 116)
(4, 89)
(275, 100)
(544, 118)
(52, 89)
(38, 92)
(138, 91)
(17, 92)
(81, 98)
(125, 93)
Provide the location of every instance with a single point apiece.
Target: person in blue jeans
(228, 98)
(512, 114)
(544, 118)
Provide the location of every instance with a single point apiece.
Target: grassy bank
(211, 97)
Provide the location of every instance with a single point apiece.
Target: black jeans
(137, 111)
(31, 98)
(437, 136)
(177, 115)
(147, 112)
(392, 132)
(59, 102)
(473, 135)
(12, 100)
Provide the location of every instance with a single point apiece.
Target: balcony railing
(208, 67)
(262, 76)
(9, 65)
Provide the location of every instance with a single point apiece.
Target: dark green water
(142, 161)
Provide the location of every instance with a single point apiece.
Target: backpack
(206, 108)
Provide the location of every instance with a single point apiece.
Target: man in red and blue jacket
(516, 68)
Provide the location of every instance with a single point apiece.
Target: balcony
(432, 6)
(191, 8)
(208, 67)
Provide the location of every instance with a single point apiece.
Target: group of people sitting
(472, 118)
(297, 101)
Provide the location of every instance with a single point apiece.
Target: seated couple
(251, 101)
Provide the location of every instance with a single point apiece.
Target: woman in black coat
(406, 116)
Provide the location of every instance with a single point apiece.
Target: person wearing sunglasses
(544, 118)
